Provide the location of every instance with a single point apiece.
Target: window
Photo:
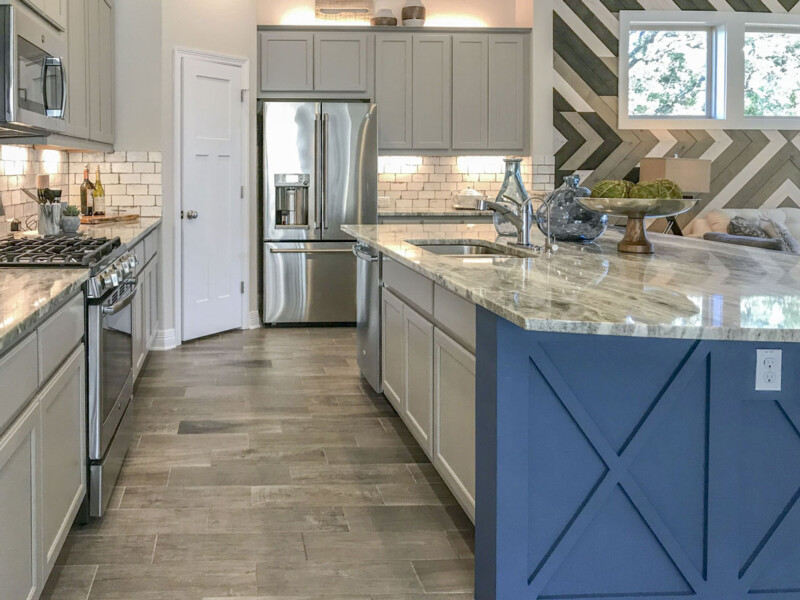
(709, 70)
(772, 74)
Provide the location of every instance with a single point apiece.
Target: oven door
(110, 365)
(35, 78)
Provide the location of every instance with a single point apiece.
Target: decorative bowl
(637, 210)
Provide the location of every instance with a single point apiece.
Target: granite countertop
(27, 296)
(690, 289)
(129, 233)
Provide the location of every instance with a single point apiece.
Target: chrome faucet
(522, 222)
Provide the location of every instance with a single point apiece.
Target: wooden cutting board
(103, 219)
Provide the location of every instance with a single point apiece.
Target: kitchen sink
(461, 249)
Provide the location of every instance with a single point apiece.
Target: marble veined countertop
(690, 289)
(27, 296)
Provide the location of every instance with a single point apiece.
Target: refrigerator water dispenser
(291, 199)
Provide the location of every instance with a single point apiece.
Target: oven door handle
(119, 306)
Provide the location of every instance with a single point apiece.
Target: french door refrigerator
(319, 171)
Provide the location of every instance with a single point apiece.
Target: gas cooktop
(55, 251)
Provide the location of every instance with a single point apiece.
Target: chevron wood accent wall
(751, 169)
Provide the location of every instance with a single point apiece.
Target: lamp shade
(691, 174)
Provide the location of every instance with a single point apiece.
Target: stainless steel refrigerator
(319, 171)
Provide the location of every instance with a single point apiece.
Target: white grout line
(91, 585)
(153, 556)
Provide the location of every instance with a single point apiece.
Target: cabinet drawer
(413, 287)
(455, 315)
(150, 244)
(59, 336)
(19, 378)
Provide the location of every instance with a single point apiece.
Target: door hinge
(244, 93)
(241, 287)
(241, 193)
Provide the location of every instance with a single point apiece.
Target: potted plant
(70, 219)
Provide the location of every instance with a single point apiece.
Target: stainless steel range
(109, 342)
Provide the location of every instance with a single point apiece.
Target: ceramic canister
(414, 13)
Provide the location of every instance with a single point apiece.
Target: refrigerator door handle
(324, 178)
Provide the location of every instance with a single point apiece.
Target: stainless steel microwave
(33, 74)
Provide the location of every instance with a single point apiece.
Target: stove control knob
(132, 261)
(115, 279)
(107, 281)
(125, 267)
(99, 283)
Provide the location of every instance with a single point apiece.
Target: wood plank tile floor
(263, 467)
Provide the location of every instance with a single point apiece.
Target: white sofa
(717, 220)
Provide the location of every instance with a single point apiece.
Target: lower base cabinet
(454, 418)
(430, 380)
(20, 515)
(63, 442)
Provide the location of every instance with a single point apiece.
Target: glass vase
(569, 221)
(512, 195)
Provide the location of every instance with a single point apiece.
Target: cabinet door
(393, 91)
(63, 410)
(470, 92)
(454, 410)
(432, 102)
(139, 324)
(20, 563)
(152, 302)
(418, 406)
(78, 70)
(56, 10)
(394, 372)
(287, 61)
(507, 92)
(340, 62)
(101, 71)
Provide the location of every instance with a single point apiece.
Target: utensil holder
(49, 219)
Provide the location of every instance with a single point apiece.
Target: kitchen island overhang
(625, 459)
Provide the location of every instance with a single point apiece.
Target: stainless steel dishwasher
(369, 278)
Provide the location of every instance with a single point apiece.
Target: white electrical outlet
(768, 370)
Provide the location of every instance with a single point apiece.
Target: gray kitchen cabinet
(508, 80)
(454, 418)
(63, 411)
(77, 117)
(139, 323)
(393, 91)
(20, 499)
(101, 70)
(287, 61)
(418, 359)
(470, 92)
(340, 62)
(151, 320)
(145, 304)
(393, 355)
(432, 101)
(54, 11)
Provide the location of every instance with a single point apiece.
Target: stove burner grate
(55, 251)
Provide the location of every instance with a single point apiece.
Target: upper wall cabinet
(508, 92)
(54, 11)
(77, 117)
(393, 91)
(332, 63)
(101, 71)
(438, 91)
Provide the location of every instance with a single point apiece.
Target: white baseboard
(165, 340)
(255, 320)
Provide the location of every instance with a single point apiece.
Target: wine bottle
(87, 201)
(99, 195)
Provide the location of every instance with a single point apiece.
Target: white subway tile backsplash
(428, 183)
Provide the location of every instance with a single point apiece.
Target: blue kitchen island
(623, 449)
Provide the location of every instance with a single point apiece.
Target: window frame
(726, 108)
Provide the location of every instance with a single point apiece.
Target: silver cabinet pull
(192, 214)
(360, 254)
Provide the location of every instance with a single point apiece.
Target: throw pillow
(718, 221)
(741, 226)
(779, 232)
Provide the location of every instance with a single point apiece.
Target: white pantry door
(211, 184)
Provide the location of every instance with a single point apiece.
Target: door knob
(192, 214)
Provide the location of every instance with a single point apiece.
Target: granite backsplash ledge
(423, 184)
